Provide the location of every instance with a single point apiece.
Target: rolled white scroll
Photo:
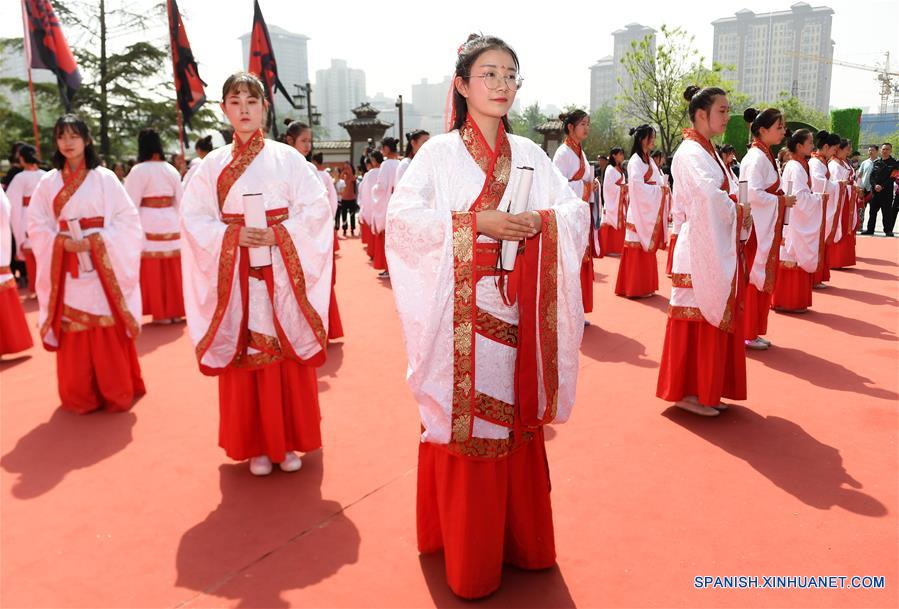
(254, 217)
(788, 190)
(84, 258)
(518, 204)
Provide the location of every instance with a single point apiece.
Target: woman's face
(619, 158)
(70, 144)
(581, 130)
(718, 115)
(245, 112)
(303, 142)
(649, 143)
(805, 148)
(491, 68)
(773, 135)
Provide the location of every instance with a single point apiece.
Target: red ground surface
(143, 510)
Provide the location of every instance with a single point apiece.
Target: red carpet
(143, 509)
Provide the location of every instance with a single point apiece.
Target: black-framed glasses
(493, 80)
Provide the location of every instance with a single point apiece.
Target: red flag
(188, 84)
(47, 48)
(262, 62)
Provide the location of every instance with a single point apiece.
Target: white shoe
(291, 462)
(820, 286)
(697, 408)
(260, 466)
(765, 340)
(756, 343)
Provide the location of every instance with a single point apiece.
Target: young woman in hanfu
(842, 252)
(14, 333)
(492, 355)
(260, 328)
(572, 162)
(614, 209)
(88, 284)
(703, 358)
(826, 145)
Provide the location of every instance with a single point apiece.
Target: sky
(398, 43)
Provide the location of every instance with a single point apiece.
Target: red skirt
(587, 283)
(336, 242)
(30, 267)
(638, 273)
(380, 256)
(365, 233)
(792, 289)
(485, 512)
(611, 239)
(755, 315)
(161, 290)
(671, 242)
(269, 411)
(842, 253)
(822, 275)
(14, 333)
(701, 360)
(98, 368)
(335, 327)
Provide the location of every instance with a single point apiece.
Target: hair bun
(750, 114)
(563, 116)
(823, 134)
(690, 91)
(632, 131)
(788, 133)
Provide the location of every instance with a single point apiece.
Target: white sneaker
(697, 408)
(260, 466)
(291, 462)
(765, 340)
(820, 286)
(756, 343)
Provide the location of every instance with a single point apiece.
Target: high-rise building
(293, 66)
(430, 103)
(608, 76)
(337, 91)
(780, 52)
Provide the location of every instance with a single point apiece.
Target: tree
(525, 124)
(605, 132)
(795, 109)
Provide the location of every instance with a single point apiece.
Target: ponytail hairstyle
(295, 128)
(74, 124)
(148, 144)
(571, 119)
(28, 154)
(844, 143)
(469, 52)
(613, 153)
(391, 143)
(796, 138)
(823, 138)
(761, 120)
(701, 99)
(413, 136)
(640, 134)
(377, 156)
(204, 144)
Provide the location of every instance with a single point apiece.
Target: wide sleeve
(572, 227)
(419, 247)
(135, 183)
(565, 161)
(17, 217)
(757, 177)
(646, 199)
(177, 187)
(303, 269)
(610, 195)
(332, 194)
(42, 230)
(382, 194)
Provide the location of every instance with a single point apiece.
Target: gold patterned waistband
(75, 320)
(162, 236)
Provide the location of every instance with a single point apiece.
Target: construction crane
(889, 81)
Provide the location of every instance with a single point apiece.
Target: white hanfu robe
(802, 236)
(155, 188)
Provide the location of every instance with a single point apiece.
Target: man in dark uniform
(882, 187)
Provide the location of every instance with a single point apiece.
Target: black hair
(761, 120)
(295, 128)
(844, 143)
(73, 123)
(148, 144)
(656, 154)
(824, 138)
(378, 156)
(794, 139)
(204, 144)
(28, 154)
(571, 119)
(614, 151)
(701, 98)
(874, 146)
(390, 142)
(318, 158)
(640, 133)
(469, 52)
(14, 151)
(887, 144)
(727, 149)
(413, 136)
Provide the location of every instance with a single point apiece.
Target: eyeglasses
(492, 80)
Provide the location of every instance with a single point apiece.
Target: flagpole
(168, 9)
(26, 44)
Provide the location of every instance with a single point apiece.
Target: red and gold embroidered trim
(4, 270)
(71, 182)
(57, 285)
(496, 165)
(75, 320)
(496, 329)
(464, 309)
(242, 155)
(491, 409)
(272, 217)
(788, 264)
(162, 254)
(225, 282)
(84, 223)
(298, 283)
(9, 284)
(110, 283)
(485, 448)
(157, 202)
(162, 236)
(548, 311)
(681, 280)
(685, 313)
(581, 168)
